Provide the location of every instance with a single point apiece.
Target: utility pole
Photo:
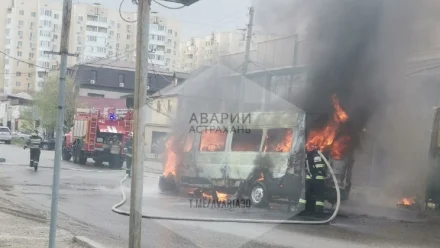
(64, 52)
(248, 40)
(246, 56)
(140, 117)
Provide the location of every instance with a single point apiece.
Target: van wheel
(259, 196)
(166, 185)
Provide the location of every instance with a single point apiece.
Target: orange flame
(280, 146)
(324, 138)
(407, 201)
(212, 141)
(171, 158)
(339, 147)
(220, 196)
(261, 178)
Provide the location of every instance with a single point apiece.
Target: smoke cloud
(358, 51)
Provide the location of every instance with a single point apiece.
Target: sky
(199, 19)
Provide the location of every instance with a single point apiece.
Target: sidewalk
(24, 227)
(19, 232)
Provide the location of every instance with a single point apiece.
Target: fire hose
(316, 222)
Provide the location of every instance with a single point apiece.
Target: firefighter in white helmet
(129, 153)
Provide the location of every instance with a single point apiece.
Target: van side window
(211, 141)
(188, 143)
(247, 142)
(278, 140)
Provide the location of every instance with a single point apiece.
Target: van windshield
(278, 140)
(211, 141)
(247, 142)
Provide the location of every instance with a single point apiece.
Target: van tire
(166, 185)
(259, 195)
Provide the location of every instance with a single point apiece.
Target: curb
(86, 242)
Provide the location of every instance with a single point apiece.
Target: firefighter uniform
(34, 143)
(312, 199)
(129, 154)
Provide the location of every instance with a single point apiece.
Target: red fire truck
(99, 136)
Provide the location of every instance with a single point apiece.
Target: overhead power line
(168, 7)
(120, 12)
(22, 61)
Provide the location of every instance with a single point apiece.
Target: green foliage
(26, 120)
(46, 101)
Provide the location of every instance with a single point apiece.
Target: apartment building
(200, 51)
(97, 33)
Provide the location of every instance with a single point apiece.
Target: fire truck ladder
(94, 116)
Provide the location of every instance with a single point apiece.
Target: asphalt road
(87, 194)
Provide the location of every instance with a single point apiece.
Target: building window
(101, 49)
(80, 18)
(18, 74)
(92, 38)
(56, 27)
(121, 80)
(168, 50)
(56, 16)
(95, 95)
(161, 28)
(20, 33)
(8, 51)
(118, 36)
(94, 75)
(48, 13)
(9, 20)
(29, 75)
(21, 12)
(128, 36)
(159, 107)
(20, 43)
(19, 54)
(31, 55)
(20, 23)
(92, 18)
(170, 31)
(169, 106)
(33, 14)
(17, 83)
(78, 49)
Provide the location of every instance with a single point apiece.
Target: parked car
(48, 144)
(5, 135)
(21, 135)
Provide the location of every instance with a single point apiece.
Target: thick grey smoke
(358, 51)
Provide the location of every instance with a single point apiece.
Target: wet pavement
(87, 194)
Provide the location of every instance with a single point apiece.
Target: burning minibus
(260, 156)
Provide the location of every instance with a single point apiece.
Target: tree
(26, 122)
(46, 102)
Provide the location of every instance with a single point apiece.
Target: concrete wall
(106, 93)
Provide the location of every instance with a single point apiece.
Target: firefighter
(312, 199)
(34, 143)
(129, 153)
